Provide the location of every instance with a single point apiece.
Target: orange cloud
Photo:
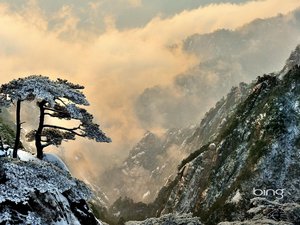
(117, 65)
(215, 16)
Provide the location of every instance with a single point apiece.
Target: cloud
(115, 66)
(227, 58)
(215, 16)
(135, 3)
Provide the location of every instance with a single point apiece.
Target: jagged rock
(256, 222)
(257, 147)
(37, 192)
(149, 164)
(255, 132)
(270, 212)
(212, 146)
(170, 219)
(293, 60)
(153, 161)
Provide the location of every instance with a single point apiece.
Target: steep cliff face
(148, 165)
(254, 153)
(37, 192)
(153, 161)
(215, 119)
(226, 56)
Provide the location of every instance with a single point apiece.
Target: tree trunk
(38, 134)
(1, 144)
(18, 129)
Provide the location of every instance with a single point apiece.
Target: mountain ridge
(257, 144)
(256, 149)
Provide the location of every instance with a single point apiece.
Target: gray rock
(169, 219)
(38, 192)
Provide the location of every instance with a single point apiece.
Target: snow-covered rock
(154, 159)
(2, 153)
(27, 156)
(169, 219)
(55, 160)
(256, 222)
(24, 156)
(265, 212)
(257, 148)
(37, 192)
(292, 61)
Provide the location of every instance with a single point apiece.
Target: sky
(116, 49)
(126, 13)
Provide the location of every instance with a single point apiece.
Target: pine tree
(10, 94)
(58, 99)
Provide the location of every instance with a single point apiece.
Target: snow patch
(54, 159)
(237, 197)
(146, 195)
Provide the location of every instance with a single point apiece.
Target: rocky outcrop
(169, 219)
(264, 212)
(153, 161)
(246, 168)
(37, 192)
(256, 148)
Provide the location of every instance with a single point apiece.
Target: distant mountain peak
(256, 148)
(294, 58)
(292, 61)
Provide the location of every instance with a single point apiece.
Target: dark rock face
(40, 193)
(257, 148)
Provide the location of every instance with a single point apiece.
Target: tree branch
(52, 115)
(49, 114)
(50, 109)
(46, 145)
(53, 110)
(59, 99)
(72, 130)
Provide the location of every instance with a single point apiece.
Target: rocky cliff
(226, 58)
(254, 154)
(153, 161)
(38, 192)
